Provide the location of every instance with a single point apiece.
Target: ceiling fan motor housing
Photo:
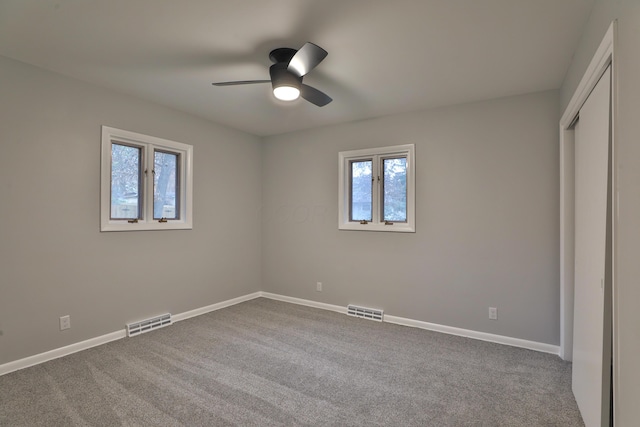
(281, 76)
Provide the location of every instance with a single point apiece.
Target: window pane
(361, 194)
(394, 191)
(125, 181)
(166, 185)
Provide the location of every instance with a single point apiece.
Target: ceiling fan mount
(288, 69)
(282, 54)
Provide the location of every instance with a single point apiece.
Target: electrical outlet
(319, 286)
(493, 313)
(65, 322)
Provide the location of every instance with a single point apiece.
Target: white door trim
(602, 58)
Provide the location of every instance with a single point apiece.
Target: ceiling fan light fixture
(286, 86)
(286, 93)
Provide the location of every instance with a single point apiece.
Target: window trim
(178, 178)
(148, 144)
(344, 192)
(349, 195)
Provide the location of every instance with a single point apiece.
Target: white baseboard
(103, 339)
(60, 352)
(305, 302)
(483, 336)
(214, 307)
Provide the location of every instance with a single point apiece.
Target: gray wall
(487, 219)
(53, 259)
(627, 169)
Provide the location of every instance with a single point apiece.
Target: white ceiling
(385, 57)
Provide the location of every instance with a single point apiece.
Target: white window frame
(345, 158)
(148, 144)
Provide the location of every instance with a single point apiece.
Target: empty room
(304, 212)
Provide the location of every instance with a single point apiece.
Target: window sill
(145, 226)
(395, 228)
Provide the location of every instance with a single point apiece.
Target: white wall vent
(365, 313)
(147, 325)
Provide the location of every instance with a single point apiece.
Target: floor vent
(365, 313)
(147, 325)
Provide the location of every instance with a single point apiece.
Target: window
(145, 182)
(377, 189)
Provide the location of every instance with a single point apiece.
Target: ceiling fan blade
(314, 96)
(241, 82)
(306, 59)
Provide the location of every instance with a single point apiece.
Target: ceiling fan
(288, 69)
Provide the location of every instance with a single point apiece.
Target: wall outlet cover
(65, 322)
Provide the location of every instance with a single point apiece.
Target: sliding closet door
(591, 340)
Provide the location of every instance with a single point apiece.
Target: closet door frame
(604, 57)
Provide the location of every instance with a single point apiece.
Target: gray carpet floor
(269, 363)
